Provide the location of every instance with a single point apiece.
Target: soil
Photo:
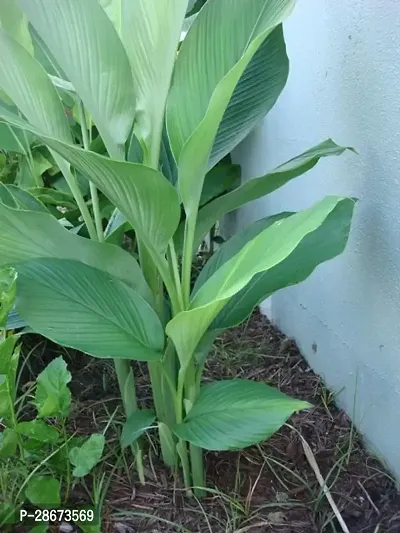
(263, 489)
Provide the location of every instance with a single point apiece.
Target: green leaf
(11, 140)
(261, 254)
(5, 397)
(9, 356)
(43, 491)
(8, 291)
(15, 321)
(86, 457)
(167, 161)
(205, 79)
(15, 23)
(53, 397)
(38, 430)
(116, 227)
(94, 60)
(8, 443)
(44, 56)
(151, 50)
(87, 309)
(16, 198)
(149, 202)
(53, 197)
(258, 187)
(325, 243)
(30, 235)
(113, 8)
(25, 80)
(218, 180)
(234, 414)
(26, 176)
(136, 425)
(256, 93)
(30, 172)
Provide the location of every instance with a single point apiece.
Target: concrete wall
(345, 84)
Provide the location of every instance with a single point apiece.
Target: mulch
(262, 489)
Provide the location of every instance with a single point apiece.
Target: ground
(263, 489)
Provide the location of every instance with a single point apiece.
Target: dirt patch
(263, 489)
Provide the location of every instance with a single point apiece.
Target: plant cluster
(39, 461)
(156, 115)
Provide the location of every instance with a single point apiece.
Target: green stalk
(192, 391)
(197, 464)
(123, 368)
(127, 388)
(173, 259)
(163, 375)
(77, 194)
(162, 407)
(188, 249)
(93, 189)
(183, 455)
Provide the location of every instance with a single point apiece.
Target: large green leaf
(255, 94)
(151, 50)
(44, 56)
(15, 23)
(148, 201)
(27, 83)
(218, 180)
(219, 46)
(267, 250)
(257, 187)
(86, 46)
(11, 140)
(84, 308)
(13, 196)
(113, 8)
(326, 242)
(30, 235)
(234, 414)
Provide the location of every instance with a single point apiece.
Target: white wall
(345, 84)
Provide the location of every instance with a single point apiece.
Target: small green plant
(167, 111)
(39, 461)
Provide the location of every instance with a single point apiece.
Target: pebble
(67, 528)
(122, 528)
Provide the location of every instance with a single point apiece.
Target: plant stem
(197, 465)
(68, 476)
(126, 382)
(93, 189)
(192, 391)
(190, 228)
(162, 403)
(175, 272)
(77, 194)
(183, 454)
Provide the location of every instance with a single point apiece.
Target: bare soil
(263, 489)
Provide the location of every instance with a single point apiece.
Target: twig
(313, 463)
(368, 497)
